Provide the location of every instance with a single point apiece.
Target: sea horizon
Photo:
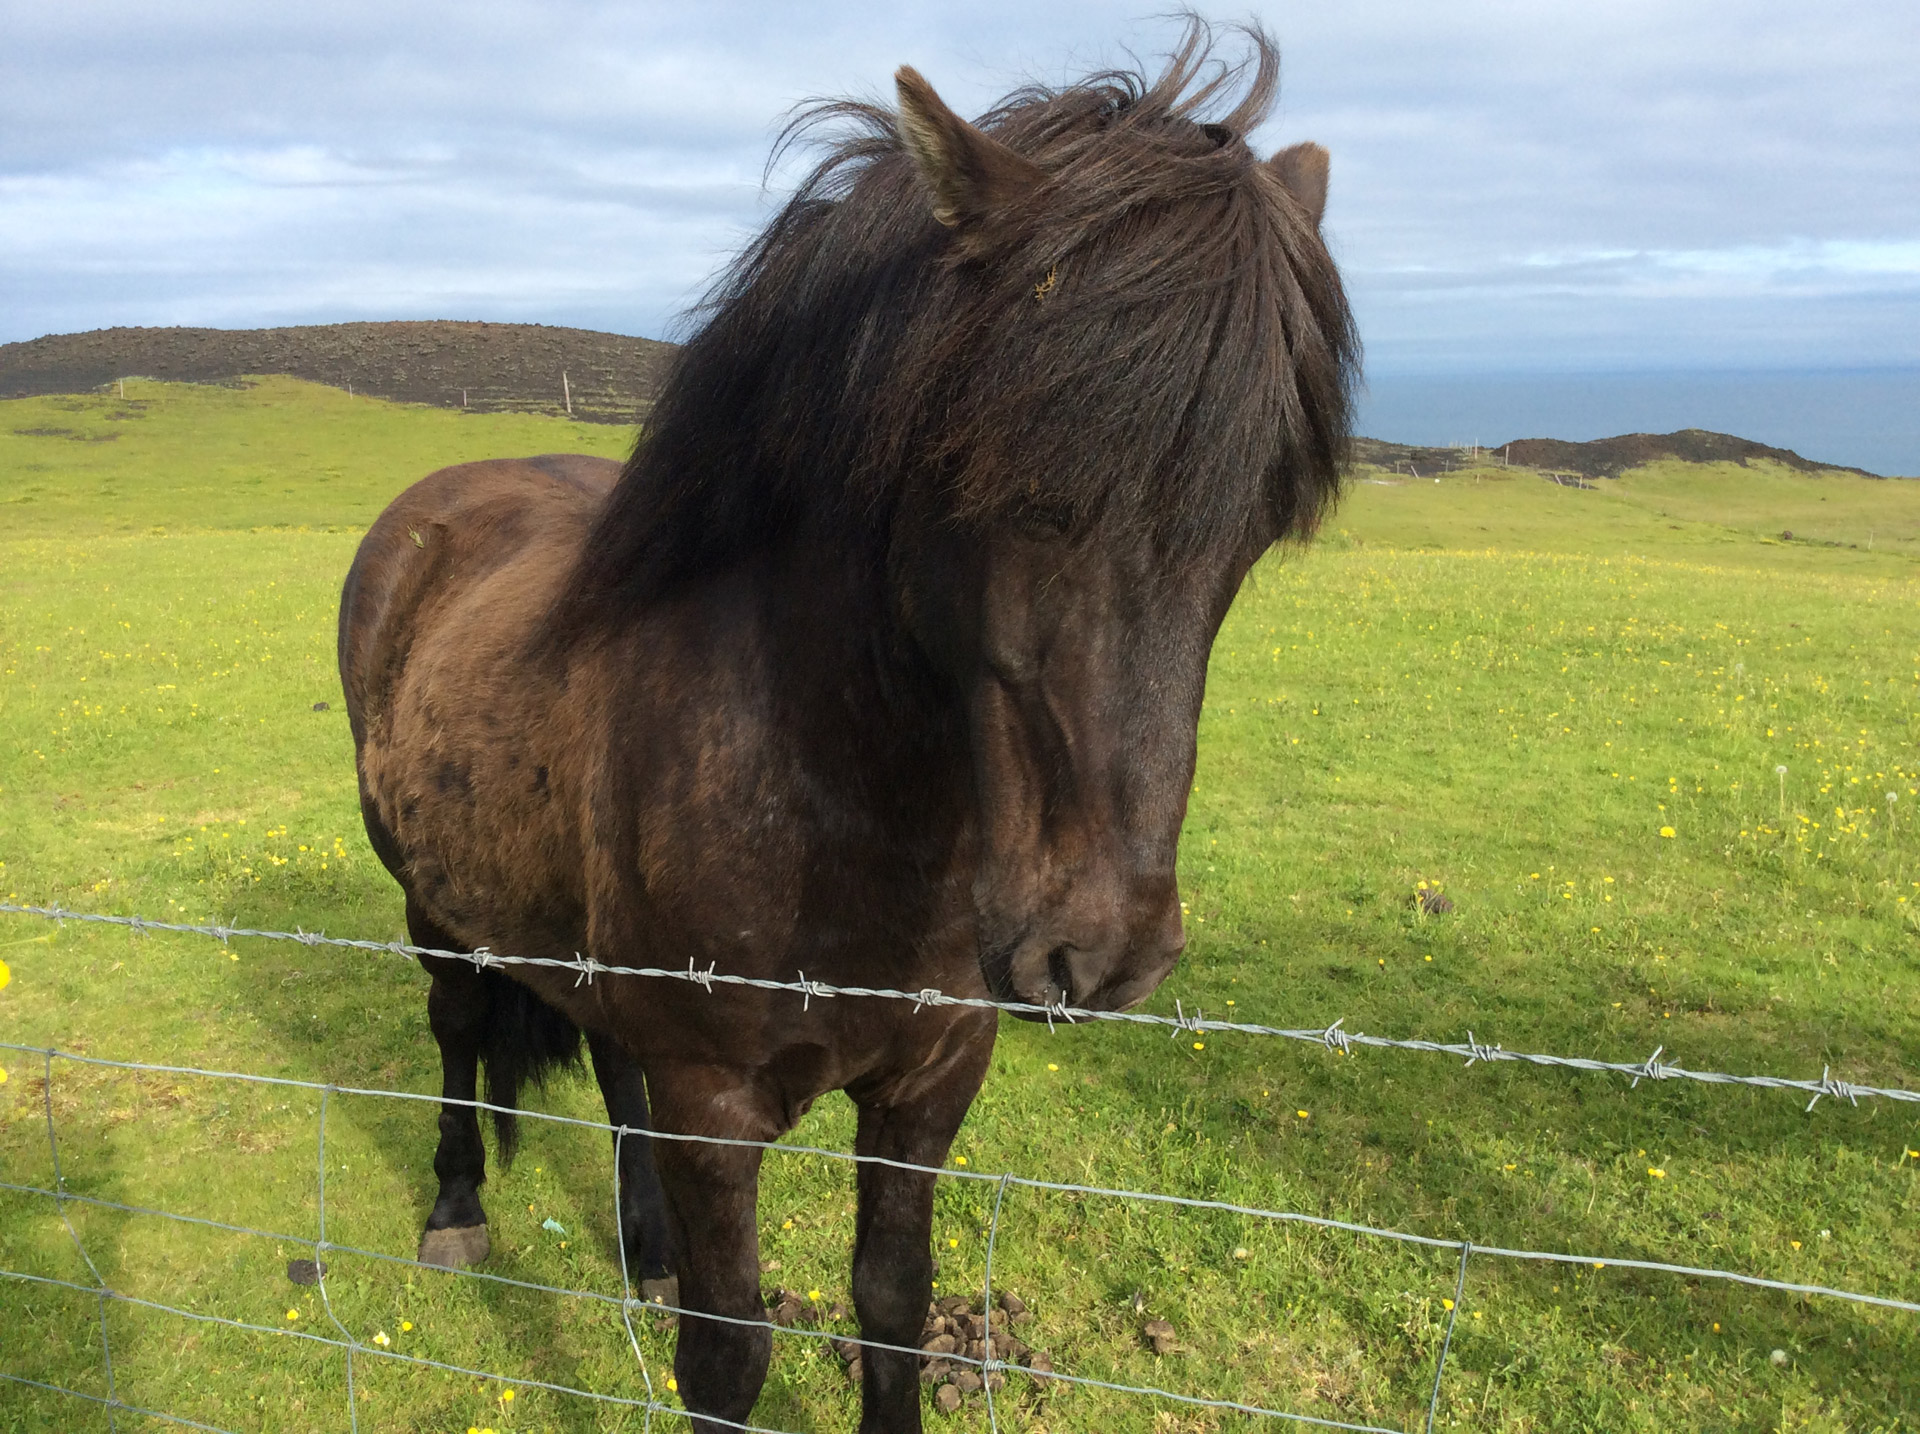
(1857, 418)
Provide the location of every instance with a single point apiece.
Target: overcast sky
(1518, 185)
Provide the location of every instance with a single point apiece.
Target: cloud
(1644, 182)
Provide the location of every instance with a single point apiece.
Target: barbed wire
(988, 1364)
(1333, 1037)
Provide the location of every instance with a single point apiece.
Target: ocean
(1868, 418)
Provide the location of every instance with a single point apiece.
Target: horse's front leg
(912, 1120)
(712, 1192)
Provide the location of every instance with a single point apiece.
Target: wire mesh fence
(993, 1361)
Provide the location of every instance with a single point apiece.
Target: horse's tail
(526, 1040)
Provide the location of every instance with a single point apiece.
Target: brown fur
(881, 660)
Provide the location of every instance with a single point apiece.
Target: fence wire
(989, 1364)
(1334, 1037)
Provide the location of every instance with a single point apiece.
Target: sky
(1518, 186)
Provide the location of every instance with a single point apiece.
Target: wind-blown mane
(1155, 336)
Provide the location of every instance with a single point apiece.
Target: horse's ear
(970, 174)
(1303, 169)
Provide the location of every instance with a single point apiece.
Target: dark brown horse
(880, 660)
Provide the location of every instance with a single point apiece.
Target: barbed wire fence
(1334, 1037)
(992, 1366)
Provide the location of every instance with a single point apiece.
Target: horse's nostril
(1061, 973)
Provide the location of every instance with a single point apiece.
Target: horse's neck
(858, 708)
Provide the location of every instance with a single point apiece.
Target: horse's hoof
(664, 1291)
(455, 1249)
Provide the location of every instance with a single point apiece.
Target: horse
(880, 659)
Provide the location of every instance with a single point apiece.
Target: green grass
(1493, 684)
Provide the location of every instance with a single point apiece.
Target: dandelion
(953, 1244)
(959, 1160)
(1446, 1304)
(673, 1385)
(1199, 1045)
(1052, 1067)
(786, 1224)
(1301, 1114)
(405, 1325)
(506, 1396)
(1666, 831)
(5, 975)
(1656, 1174)
(1241, 1252)
(293, 1314)
(1781, 772)
(814, 1296)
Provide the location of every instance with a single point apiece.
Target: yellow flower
(1446, 1304)
(1666, 831)
(5, 975)
(959, 1160)
(293, 1314)
(3, 1075)
(382, 1340)
(506, 1396)
(814, 1295)
(1656, 1174)
(1052, 1067)
(953, 1244)
(405, 1325)
(672, 1383)
(786, 1224)
(1301, 1113)
(1199, 1045)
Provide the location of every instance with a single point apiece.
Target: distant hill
(1602, 458)
(613, 378)
(1610, 457)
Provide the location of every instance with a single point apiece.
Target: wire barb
(1478, 1052)
(1652, 1070)
(1836, 1088)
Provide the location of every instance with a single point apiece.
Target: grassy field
(1566, 708)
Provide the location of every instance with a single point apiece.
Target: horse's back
(453, 528)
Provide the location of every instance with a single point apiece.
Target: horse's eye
(1218, 133)
(1043, 521)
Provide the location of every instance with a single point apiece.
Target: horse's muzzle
(1093, 974)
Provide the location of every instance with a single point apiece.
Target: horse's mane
(1155, 336)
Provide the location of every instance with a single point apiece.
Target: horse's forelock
(1154, 334)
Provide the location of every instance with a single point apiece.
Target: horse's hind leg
(643, 1206)
(457, 1010)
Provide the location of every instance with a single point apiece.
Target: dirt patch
(524, 368)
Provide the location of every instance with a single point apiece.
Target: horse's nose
(1110, 957)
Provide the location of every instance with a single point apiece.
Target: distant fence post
(566, 390)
